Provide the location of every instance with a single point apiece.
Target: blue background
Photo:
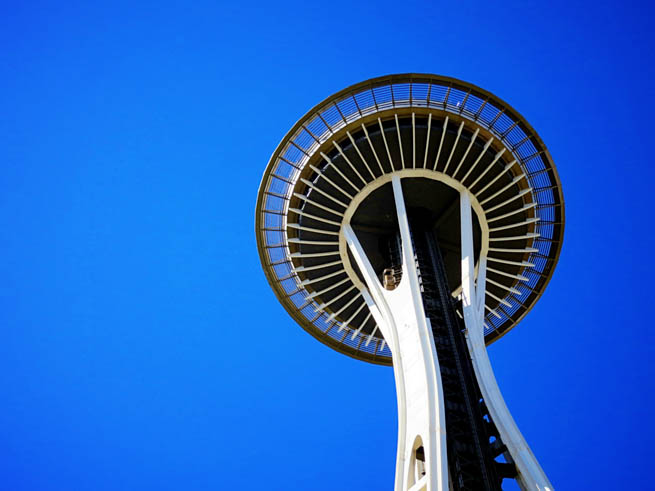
(141, 347)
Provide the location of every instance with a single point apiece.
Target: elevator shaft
(472, 439)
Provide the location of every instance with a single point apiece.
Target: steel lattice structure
(352, 174)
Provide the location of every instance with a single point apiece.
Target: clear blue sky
(140, 345)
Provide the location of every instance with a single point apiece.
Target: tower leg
(530, 475)
(421, 462)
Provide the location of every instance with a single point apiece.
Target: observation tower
(411, 220)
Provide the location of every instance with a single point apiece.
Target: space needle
(411, 220)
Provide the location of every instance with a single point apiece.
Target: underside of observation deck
(436, 133)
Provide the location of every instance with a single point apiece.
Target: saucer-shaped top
(441, 136)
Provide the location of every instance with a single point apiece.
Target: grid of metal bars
(447, 96)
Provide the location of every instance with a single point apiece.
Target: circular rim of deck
(463, 102)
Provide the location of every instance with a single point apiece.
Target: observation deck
(440, 136)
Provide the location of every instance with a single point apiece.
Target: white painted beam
(530, 475)
(401, 319)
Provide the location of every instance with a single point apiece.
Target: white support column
(402, 320)
(531, 476)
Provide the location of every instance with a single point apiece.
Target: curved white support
(401, 318)
(530, 474)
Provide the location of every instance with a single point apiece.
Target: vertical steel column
(530, 474)
(421, 462)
